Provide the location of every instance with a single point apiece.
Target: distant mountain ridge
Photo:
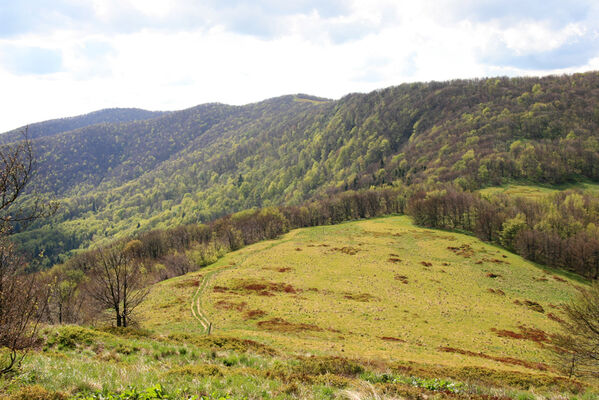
(60, 125)
(193, 165)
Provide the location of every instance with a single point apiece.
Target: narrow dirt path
(196, 301)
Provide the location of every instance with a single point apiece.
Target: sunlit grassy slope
(379, 289)
(536, 192)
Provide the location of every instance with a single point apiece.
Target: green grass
(538, 191)
(344, 311)
(345, 303)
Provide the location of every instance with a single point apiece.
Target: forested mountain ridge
(56, 126)
(210, 160)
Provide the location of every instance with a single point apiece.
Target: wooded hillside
(211, 160)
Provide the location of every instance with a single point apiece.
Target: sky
(61, 58)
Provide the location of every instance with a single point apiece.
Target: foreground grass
(95, 364)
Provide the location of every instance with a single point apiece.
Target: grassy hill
(194, 165)
(379, 289)
(358, 310)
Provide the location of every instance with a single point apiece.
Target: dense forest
(56, 126)
(195, 165)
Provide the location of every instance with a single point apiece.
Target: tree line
(559, 230)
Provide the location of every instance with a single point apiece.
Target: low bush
(327, 365)
(33, 393)
(70, 336)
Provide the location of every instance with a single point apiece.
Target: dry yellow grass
(380, 289)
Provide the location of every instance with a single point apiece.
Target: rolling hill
(376, 308)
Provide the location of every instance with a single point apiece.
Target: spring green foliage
(197, 164)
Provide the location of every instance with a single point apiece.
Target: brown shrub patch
(402, 278)
(220, 289)
(526, 333)
(188, 283)
(263, 288)
(382, 234)
(298, 249)
(254, 314)
(495, 261)
(364, 297)
(392, 339)
(555, 318)
(478, 262)
(446, 264)
(533, 305)
(464, 250)
(286, 269)
(540, 279)
(496, 291)
(394, 259)
(393, 255)
(351, 251)
(230, 305)
(280, 325)
(426, 263)
(504, 360)
(557, 278)
(492, 275)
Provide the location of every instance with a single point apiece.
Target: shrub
(34, 393)
(70, 336)
(328, 365)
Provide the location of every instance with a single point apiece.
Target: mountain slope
(55, 126)
(206, 161)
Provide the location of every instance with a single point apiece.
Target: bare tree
(116, 282)
(577, 348)
(19, 294)
(17, 164)
(19, 311)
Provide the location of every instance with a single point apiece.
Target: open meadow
(368, 308)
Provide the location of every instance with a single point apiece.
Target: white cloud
(176, 54)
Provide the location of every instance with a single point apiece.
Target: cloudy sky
(66, 57)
